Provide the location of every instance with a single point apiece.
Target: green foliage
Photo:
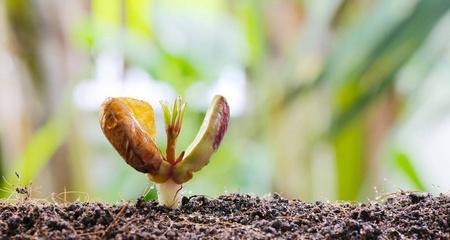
(40, 149)
(151, 194)
(178, 70)
(359, 82)
(349, 149)
(403, 162)
(250, 13)
(384, 57)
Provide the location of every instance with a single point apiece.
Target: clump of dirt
(235, 216)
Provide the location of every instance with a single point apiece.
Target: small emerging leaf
(151, 194)
(176, 105)
(206, 142)
(129, 126)
(180, 117)
(166, 111)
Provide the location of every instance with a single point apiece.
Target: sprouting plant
(129, 126)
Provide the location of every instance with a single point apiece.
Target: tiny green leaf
(180, 116)
(175, 110)
(151, 194)
(166, 111)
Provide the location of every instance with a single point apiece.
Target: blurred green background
(344, 99)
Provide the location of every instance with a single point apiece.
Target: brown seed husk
(128, 124)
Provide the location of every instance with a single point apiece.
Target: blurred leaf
(378, 47)
(358, 106)
(353, 53)
(151, 194)
(387, 58)
(83, 35)
(179, 71)
(43, 144)
(107, 11)
(138, 16)
(353, 47)
(404, 164)
(198, 6)
(25, 31)
(250, 13)
(358, 76)
(349, 148)
(40, 149)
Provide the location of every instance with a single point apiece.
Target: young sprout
(129, 126)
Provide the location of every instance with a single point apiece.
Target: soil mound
(235, 216)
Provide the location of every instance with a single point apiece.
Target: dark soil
(400, 216)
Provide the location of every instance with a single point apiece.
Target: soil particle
(235, 216)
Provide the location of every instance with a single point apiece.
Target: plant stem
(171, 148)
(169, 194)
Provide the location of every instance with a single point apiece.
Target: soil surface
(235, 216)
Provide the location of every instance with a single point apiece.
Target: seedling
(129, 126)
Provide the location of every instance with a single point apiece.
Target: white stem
(169, 194)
